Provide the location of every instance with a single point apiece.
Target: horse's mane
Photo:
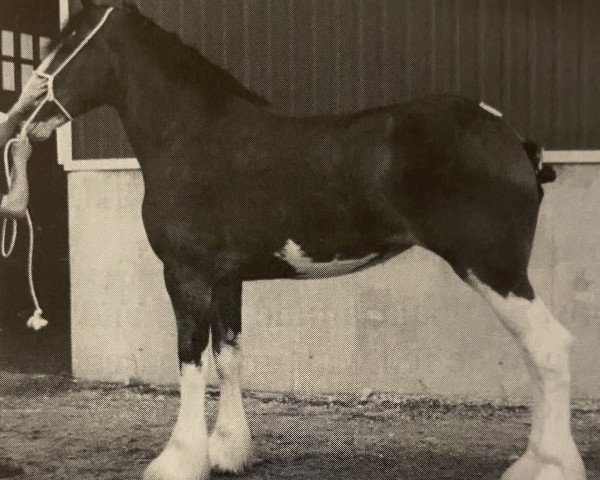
(175, 59)
(184, 63)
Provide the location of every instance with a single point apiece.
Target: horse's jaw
(42, 130)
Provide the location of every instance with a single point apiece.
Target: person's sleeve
(6, 129)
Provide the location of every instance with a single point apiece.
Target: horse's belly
(306, 267)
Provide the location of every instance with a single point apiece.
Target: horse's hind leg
(230, 442)
(551, 453)
(185, 456)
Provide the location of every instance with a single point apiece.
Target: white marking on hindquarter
(186, 455)
(490, 109)
(545, 344)
(230, 442)
(293, 254)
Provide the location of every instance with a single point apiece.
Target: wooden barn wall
(537, 60)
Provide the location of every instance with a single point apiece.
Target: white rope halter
(50, 97)
(36, 321)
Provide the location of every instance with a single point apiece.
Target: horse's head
(81, 82)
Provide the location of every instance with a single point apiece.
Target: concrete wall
(408, 326)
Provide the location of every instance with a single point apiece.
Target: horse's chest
(305, 267)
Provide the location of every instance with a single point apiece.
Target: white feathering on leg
(230, 442)
(186, 455)
(551, 453)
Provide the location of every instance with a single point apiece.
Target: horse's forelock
(79, 19)
(72, 25)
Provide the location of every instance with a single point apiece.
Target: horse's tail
(543, 173)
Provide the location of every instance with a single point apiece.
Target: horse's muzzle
(38, 131)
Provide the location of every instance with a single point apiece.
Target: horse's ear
(88, 4)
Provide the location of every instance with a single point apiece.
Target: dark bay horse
(235, 191)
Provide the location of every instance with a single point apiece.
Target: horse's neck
(155, 108)
(149, 103)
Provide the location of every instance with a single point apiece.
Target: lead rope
(36, 321)
(7, 251)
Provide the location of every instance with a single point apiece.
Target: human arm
(14, 203)
(34, 91)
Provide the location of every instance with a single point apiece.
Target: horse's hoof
(531, 467)
(230, 451)
(176, 463)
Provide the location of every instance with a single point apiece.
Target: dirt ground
(54, 428)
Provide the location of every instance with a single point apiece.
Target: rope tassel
(36, 321)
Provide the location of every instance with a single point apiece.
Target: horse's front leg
(185, 456)
(230, 442)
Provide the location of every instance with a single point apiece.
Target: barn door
(25, 28)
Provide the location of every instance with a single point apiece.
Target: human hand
(21, 151)
(34, 91)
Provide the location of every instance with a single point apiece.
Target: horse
(236, 191)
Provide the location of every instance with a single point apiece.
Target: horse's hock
(408, 326)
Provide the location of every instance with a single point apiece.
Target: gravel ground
(54, 428)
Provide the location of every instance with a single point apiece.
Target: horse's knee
(226, 325)
(192, 340)
(190, 295)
